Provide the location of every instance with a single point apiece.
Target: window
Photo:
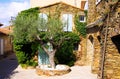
(68, 22)
(43, 15)
(82, 18)
(43, 20)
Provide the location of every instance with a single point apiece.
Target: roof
(61, 3)
(5, 31)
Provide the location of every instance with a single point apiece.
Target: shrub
(25, 52)
(65, 53)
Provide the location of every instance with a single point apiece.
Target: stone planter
(59, 70)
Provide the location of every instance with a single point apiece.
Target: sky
(10, 8)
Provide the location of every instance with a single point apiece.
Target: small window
(44, 16)
(43, 22)
(82, 18)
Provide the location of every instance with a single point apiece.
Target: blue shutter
(67, 19)
(70, 22)
(43, 15)
(44, 18)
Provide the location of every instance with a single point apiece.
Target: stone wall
(91, 11)
(62, 8)
(93, 52)
(7, 44)
(97, 51)
(112, 61)
(112, 54)
(81, 60)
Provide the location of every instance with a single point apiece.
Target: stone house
(6, 46)
(67, 13)
(103, 29)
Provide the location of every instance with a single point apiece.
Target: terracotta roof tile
(5, 31)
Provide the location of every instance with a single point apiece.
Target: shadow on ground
(7, 66)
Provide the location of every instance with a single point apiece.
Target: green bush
(21, 56)
(80, 27)
(25, 52)
(64, 54)
(31, 63)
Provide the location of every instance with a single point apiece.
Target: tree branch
(38, 37)
(45, 49)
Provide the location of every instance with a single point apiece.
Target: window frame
(67, 19)
(83, 17)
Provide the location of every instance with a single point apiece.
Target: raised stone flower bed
(59, 70)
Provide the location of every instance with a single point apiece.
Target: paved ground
(7, 66)
(9, 69)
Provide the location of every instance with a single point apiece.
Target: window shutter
(67, 19)
(43, 15)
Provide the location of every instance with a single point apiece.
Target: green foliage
(25, 52)
(80, 27)
(28, 26)
(64, 54)
(21, 56)
(31, 63)
(86, 13)
(24, 25)
(54, 26)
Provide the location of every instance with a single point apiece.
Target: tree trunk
(51, 58)
(51, 55)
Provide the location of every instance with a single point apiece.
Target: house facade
(67, 12)
(67, 15)
(6, 46)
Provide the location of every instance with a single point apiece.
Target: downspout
(104, 50)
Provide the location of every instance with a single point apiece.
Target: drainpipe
(104, 50)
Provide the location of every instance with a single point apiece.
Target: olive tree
(28, 27)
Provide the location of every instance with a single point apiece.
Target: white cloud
(8, 10)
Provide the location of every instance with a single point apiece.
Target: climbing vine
(80, 26)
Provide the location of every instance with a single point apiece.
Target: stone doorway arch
(90, 50)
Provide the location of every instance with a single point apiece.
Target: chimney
(83, 4)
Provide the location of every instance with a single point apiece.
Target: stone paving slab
(78, 72)
(9, 69)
